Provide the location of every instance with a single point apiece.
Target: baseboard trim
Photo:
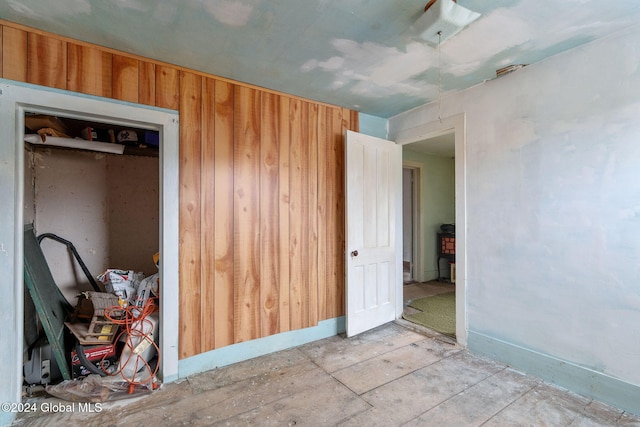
(576, 378)
(7, 418)
(249, 349)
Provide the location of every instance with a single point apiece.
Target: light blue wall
(373, 126)
(553, 216)
(437, 186)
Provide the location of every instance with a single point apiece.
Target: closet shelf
(82, 144)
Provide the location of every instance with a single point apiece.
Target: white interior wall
(134, 212)
(407, 215)
(70, 202)
(29, 187)
(437, 188)
(30, 329)
(106, 205)
(552, 205)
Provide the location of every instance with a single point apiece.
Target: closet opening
(91, 199)
(111, 191)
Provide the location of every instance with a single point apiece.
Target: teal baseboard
(260, 347)
(576, 378)
(7, 418)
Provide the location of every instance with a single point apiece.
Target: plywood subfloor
(389, 376)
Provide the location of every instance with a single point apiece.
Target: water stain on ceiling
(358, 54)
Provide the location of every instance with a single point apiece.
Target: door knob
(354, 253)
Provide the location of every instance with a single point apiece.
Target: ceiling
(360, 54)
(440, 146)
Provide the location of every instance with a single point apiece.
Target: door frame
(17, 98)
(456, 124)
(417, 169)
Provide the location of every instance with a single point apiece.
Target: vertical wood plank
(283, 214)
(269, 210)
(304, 203)
(125, 74)
(335, 214)
(295, 215)
(14, 54)
(324, 188)
(247, 214)
(47, 61)
(338, 149)
(347, 116)
(298, 215)
(189, 251)
(330, 214)
(312, 193)
(346, 120)
(89, 70)
(224, 223)
(168, 93)
(1, 49)
(207, 215)
(147, 83)
(354, 121)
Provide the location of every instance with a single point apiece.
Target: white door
(373, 189)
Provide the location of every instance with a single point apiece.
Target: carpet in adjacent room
(437, 312)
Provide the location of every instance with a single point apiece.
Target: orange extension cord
(132, 315)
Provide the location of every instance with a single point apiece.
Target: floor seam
(456, 394)
(533, 387)
(397, 378)
(402, 376)
(330, 374)
(372, 357)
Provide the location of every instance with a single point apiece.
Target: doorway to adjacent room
(432, 182)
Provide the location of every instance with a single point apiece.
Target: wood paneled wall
(261, 186)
